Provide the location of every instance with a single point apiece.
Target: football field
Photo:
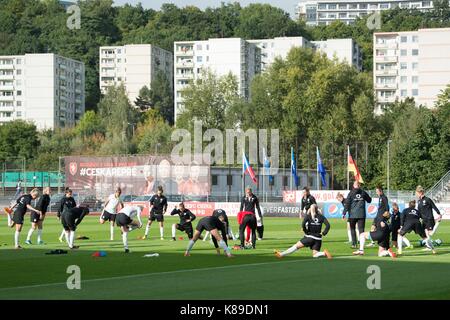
(251, 274)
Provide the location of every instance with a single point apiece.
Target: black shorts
(35, 217)
(428, 224)
(106, 216)
(18, 217)
(311, 243)
(413, 225)
(186, 227)
(68, 222)
(204, 225)
(382, 237)
(156, 216)
(122, 220)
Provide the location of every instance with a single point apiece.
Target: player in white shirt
(112, 205)
(125, 220)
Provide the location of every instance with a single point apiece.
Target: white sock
(63, 233)
(174, 230)
(66, 235)
(357, 234)
(161, 231)
(111, 231)
(289, 251)
(400, 243)
(125, 240)
(71, 238)
(406, 242)
(206, 236)
(361, 243)
(190, 245)
(30, 233)
(224, 246)
(319, 254)
(429, 242)
(383, 253)
(147, 230)
(230, 232)
(349, 235)
(9, 220)
(16, 238)
(39, 237)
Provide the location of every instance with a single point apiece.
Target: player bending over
(312, 227)
(70, 220)
(67, 202)
(213, 225)
(410, 220)
(426, 207)
(380, 232)
(37, 220)
(159, 207)
(23, 203)
(221, 212)
(112, 205)
(125, 220)
(186, 218)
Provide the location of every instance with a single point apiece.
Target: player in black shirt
(186, 218)
(23, 203)
(426, 207)
(380, 232)
(340, 197)
(67, 202)
(70, 219)
(312, 227)
(383, 206)
(250, 203)
(213, 225)
(37, 220)
(307, 201)
(159, 207)
(217, 213)
(410, 221)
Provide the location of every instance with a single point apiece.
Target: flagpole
(348, 173)
(243, 173)
(292, 150)
(317, 167)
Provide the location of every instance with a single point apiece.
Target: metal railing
(440, 189)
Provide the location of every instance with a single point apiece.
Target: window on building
(403, 79)
(285, 181)
(199, 59)
(403, 93)
(415, 92)
(343, 6)
(363, 5)
(403, 39)
(19, 61)
(415, 65)
(403, 66)
(18, 72)
(384, 5)
(331, 7)
(403, 52)
(415, 79)
(322, 6)
(214, 180)
(426, 4)
(199, 47)
(229, 180)
(353, 6)
(19, 114)
(19, 103)
(415, 52)
(415, 38)
(19, 92)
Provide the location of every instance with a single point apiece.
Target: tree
(18, 139)
(89, 124)
(154, 133)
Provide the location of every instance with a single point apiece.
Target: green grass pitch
(252, 274)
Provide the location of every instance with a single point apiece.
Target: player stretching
(312, 227)
(426, 207)
(379, 232)
(249, 203)
(383, 206)
(112, 205)
(159, 207)
(126, 223)
(37, 220)
(213, 225)
(70, 219)
(409, 221)
(355, 205)
(22, 204)
(67, 203)
(221, 212)
(186, 218)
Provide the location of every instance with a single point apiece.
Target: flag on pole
(353, 168)
(246, 168)
(267, 166)
(294, 167)
(321, 169)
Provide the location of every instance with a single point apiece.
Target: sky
(286, 5)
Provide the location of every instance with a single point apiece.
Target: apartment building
(324, 12)
(412, 64)
(46, 89)
(133, 65)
